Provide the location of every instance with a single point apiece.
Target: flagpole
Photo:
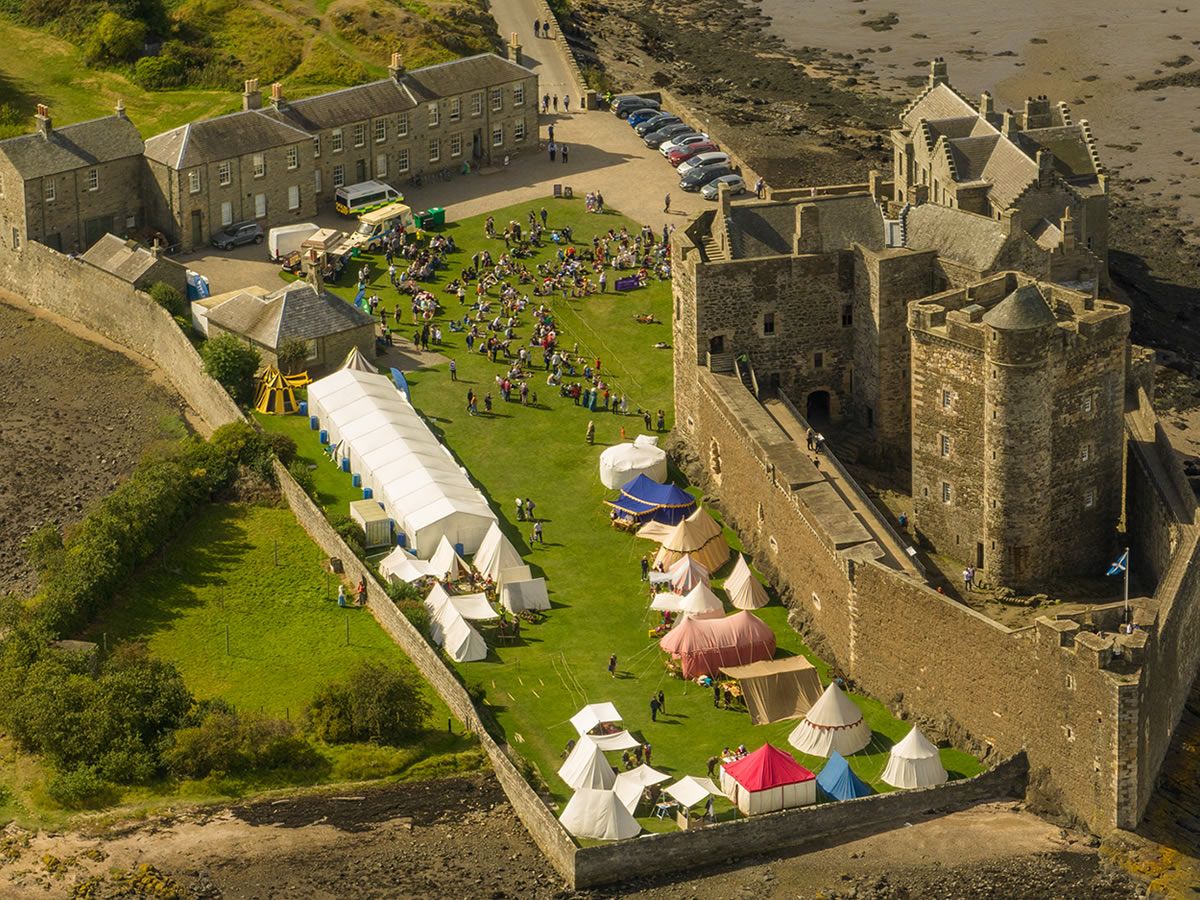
(1127, 585)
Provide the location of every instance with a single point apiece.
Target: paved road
(543, 55)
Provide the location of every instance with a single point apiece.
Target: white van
(285, 239)
(373, 225)
(354, 199)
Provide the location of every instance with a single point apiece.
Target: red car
(683, 154)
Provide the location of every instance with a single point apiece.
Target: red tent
(768, 780)
(704, 645)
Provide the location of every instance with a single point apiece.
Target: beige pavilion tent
(600, 815)
(914, 763)
(587, 767)
(697, 536)
(777, 689)
(355, 360)
(744, 590)
(834, 723)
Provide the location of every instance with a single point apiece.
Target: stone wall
(687, 851)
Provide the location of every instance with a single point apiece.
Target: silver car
(737, 185)
(682, 140)
(700, 160)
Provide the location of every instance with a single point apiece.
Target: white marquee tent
(407, 468)
(587, 767)
(400, 565)
(914, 763)
(744, 590)
(621, 464)
(600, 815)
(472, 607)
(631, 784)
(833, 723)
(689, 791)
(521, 595)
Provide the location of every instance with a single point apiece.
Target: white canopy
(689, 790)
(667, 601)
(618, 740)
(744, 590)
(445, 559)
(833, 723)
(587, 767)
(529, 594)
(594, 714)
(621, 464)
(631, 784)
(496, 554)
(914, 762)
(473, 607)
(599, 814)
(411, 473)
(400, 565)
(462, 642)
(701, 603)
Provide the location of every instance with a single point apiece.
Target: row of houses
(275, 161)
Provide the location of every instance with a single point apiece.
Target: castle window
(1089, 498)
(477, 103)
(224, 173)
(316, 146)
(1085, 452)
(455, 109)
(497, 100)
(50, 191)
(1070, 682)
(769, 323)
(339, 176)
(435, 150)
(402, 125)
(847, 315)
(945, 442)
(818, 360)
(519, 95)
(1085, 403)
(945, 492)
(293, 157)
(946, 396)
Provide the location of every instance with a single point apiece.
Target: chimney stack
(1067, 226)
(44, 125)
(251, 96)
(121, 109)
(313, 262)
(1009, 127)
(986, 105)
(277, 99)
(939, 73)
(514, 48)
(1045, 164)
(396, 69)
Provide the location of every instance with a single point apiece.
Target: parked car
(698, 178)
(737, 185)
(638, 116)
(714, 158)
(237, 234)
(681, 155)
(657, 138)
(692, 137)
(625, 104)
(660, 121)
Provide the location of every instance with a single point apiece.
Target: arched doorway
(816, 408)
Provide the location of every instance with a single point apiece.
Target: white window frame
(455, 109)
(947, 398)
(193, 181)
(316, 146)
(293, 196)
(435, 150)
(260, 206)
(360, 134)
(402, 125)
(497, 135)
(338, 141)
(224, 173)
(947, 492)
(402, 162)
(339, 176)
(51, 191)
(226, 213)
(477, 104)
(518, 95)
(1085, 452)
(93, 179)
(456, 145)
(497, 99)
(1085, 403)
(435, 115)
(317, 180)
(1089, 498)
(260, 165)
(293, 157)
(381, 165)
(519, 130)
(380, 130)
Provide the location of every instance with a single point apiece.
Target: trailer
(286, 239)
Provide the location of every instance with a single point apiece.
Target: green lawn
(593, 570)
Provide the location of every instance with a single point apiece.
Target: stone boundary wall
(564, 47)
(688, 851)
(104, 303)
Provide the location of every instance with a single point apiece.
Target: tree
(115, 39)
(376, 703)
(291, 354)
(168, 298)
(232, 362)
(158, 72)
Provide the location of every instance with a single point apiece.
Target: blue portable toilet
(345, 464)
(324, 436)
(401, 539)
(304, 407)
(356, 479)
(314, 423)
(368, 494)
(458, 548)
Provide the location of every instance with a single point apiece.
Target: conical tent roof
(463, 642)
(446, 559)
(355, 360)
(838, 780)
(914, 762)
(686, 573)
(834, 723)
(744, 590)
(767, 767)
(600, 815)
(495, 554)
(586, 767)
(403, 566)
(697, 536)
(702, 603)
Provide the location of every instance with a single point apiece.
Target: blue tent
(839, 781)
(644, 500)
(401, 384)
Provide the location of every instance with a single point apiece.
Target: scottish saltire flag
(1119, 567)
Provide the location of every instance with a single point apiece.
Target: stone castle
(952, 330)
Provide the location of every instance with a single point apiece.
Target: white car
(682, 141)
(737, 185)
(703, 159)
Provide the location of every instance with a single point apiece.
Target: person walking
(645, 567)
(453, 371)
(969, 579)
(470, 400)
(646, 418)
(603, 282)
(552, 150)
(661, 423)
(590, 435)
(566, 103)
(612, 666)
(662, 702)
(544, 215)
(554, 102)
(537, 534)
(716, 695)
(362, 591)
(653, 708)
(529, 505)
(667, 203)
(564, 149)
(759, 187)
(537, 27)
(342, 596)
(810, 438)
(520, 510)
(550, 131)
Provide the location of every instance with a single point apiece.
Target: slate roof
(767, 230)
(462, 75)
(1025, 309)
(1072, 158)
(939, 102)
(973, 240)
(209, 140)
(1009, 171)
(352, 104)
(127, 260)
(294, 311)
(73, 147)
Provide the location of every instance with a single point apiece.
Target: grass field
(592, 570)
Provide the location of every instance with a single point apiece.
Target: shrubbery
(226, 743)
(115, 39)
(232, 362)
(376, 703)
(303, 476)
(291, 355)
(158, 72)
(352, 533)
(281, 445)
(168, 298)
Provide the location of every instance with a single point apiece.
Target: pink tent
(704, 645)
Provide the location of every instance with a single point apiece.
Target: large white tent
(472, 607)
(446, 561)
(462, 642)
(587, 767)
(410, 472)
(914, 763)
(495, 554)
(631, 784)
(690, 790)
(595, 715)
(833, 723)
(685, 574)
(700, 603)
(600, 815)
(744, 590)
(621, 464)
(517, 596)
(400, 565)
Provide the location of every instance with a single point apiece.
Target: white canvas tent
(600, 815)
(495, 554)
(355, 360)
(587, 767)
(617, 740)
(521, 595)
(472, 607)
(631, 784)
(427, 494)
(462, 642)
(400, 565)
(833, 723)
(594, 715)
(701, 603)
(914, 763)
(744, 590)
(621, 464)
(690, 791)
(446, 560)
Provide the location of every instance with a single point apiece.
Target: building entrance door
(360, 170)
(816, 410)
(197, 228)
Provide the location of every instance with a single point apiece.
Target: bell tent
(446, 561)
(697, 536)
(356, 361)
(703, 646)
(914, 763)
(621, 464)
(768, 780)
(834, 723)
(777, 689)
(276, 395)
(400, 565)
(686, 573)
(599, 723)
(586, 767)
(495, 554)
(838, 780)
(744, 590)
(600, 815)
(645, 500)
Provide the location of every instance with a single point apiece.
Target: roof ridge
(187, 135)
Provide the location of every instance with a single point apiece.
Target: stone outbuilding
(135, 264)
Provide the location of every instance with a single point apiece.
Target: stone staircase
(712, 249)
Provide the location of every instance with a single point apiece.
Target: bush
(43, 548)
(303, 476)
(80, 788)
(282, 446)
(232, 362)
(377, 703)
(115, 39)
(167, 297)
(157, 72)
(225, 743)
(352, 533)
(291, 355)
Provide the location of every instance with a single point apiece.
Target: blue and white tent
(838, 780)
(644, 500)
